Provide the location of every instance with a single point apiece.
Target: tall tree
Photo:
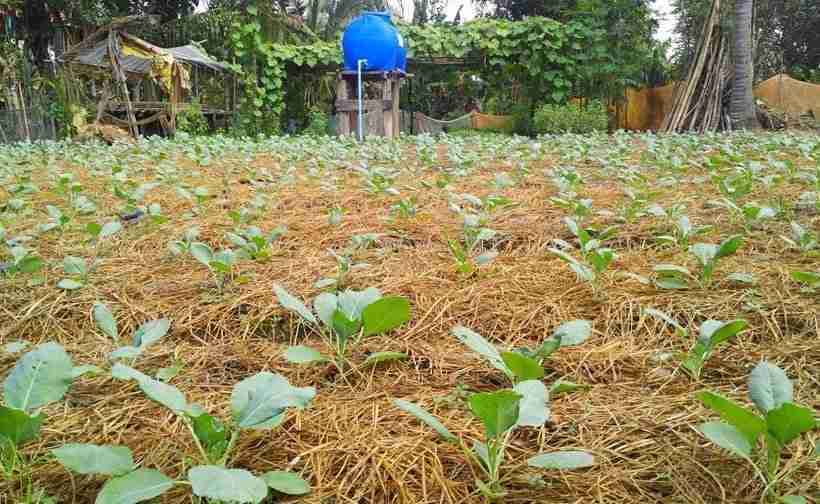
(742, 106)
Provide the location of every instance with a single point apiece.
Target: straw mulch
(637, 417)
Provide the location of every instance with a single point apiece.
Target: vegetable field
(453, 319)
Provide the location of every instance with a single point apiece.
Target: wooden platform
(157, 106)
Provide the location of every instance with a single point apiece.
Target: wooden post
(387, 116)
(396, 110)
(342, 117)
(119, 74)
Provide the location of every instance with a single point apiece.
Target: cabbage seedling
(523, 367)
(220, 264)
(259, 402)
(253, 243)
(40, 377)
(779, 422)
(144, 336)
(22, 261)
(670, 276)
(711, 334)
(801, 239)
(500, 414)
(684, 231)
(595, 259)
(76, 270)
(343, 319)
(183, 246)
(809, 279)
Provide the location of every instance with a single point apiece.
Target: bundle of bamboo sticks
(701, 101)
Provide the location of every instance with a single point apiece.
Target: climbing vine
(550, 60)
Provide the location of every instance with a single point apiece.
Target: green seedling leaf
(788, 421)
(74, 266)
(30, 264)
(325, 304)
(769, 387)
(105, 320)
(137, 486)
(483, 453)
(564, 387)
(85, 369)
(806, 277)
(533, 408)
(523, 367)
(741, 278)
(286, 482)
(202, 253)
(379, 357)
(793, 499)
(727, 437)
(481, 346)
(211, 434)
(573, 332)
(15, 346)
(385, 314)
(353, 303)
(17, 426)
(163, 393)
(548, 347)
(69, 284)
(125, 352)
(233, 485)
(426, 417)
(498, 411)
(344, 327)
(729, 246)
(110, 229)
(723, 331)
(95, 459)
(303, 355)
(40, 377)
(149, 332)
(168, 373)
(93, 229)
(291, 303)
(744, 420)
(259, 399)
(568, 459)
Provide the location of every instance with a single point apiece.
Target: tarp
(473, 120)
(137, 60)
(646, 108)
(793, 97)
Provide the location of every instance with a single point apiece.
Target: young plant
(779, 422)
(144, 336)
(500, 413)
(259, 402)
(253, 243)
(183, 246)
(343, 319)
(595, 259)
(405, 208)
(56, 220)
(76, 270)
(220, 264)
(809, 279)
(801, 239)
(711, 334)
(22, 261)
(670, 276)
(40, 377)
(684, 232)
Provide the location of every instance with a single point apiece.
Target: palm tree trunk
(742, 107)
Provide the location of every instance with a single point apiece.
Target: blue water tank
(372, 37)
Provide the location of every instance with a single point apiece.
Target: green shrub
(571, 118)
(191, 120)
(318, 123)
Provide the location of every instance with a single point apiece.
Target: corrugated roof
(97, 55)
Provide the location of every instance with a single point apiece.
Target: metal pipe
(361, 110)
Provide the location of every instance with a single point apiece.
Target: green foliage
(318, 123)
(779, 422)
(570, 118)
(191, 120)
(343, 319)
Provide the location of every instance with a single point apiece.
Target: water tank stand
(381, 116)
